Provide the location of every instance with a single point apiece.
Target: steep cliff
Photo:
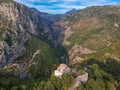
(24, 32)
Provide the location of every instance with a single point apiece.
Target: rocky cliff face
(13, 39)
(47, 22)
(18, 26)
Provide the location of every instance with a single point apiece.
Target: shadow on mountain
(110, 66)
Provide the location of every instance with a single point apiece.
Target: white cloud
(71, 6)
(61, 6)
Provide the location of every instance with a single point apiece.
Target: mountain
(34, 43)
(71, 11)
(27, 39)
(91, 31)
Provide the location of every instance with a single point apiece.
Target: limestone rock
(76, 51)
(77, 59)
(61, 70)
(20, 24)
(116, 25)
(81, 79)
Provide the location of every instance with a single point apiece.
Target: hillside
(91, 30)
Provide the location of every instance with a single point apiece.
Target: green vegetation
(113, 51)
(95, 28)
(102, 76)
(47, 59)
(51, 84)
(98, 80)
(93, 37)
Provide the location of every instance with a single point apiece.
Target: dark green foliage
(99, 79)
(47, 59)
(112, 66)
(62, 83)
(49, 86)
(52, 84)
(8, 83)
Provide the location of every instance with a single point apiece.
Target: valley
(34, 44)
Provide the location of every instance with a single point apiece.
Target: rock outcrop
(81, 79)
(76, 51)
(61, 70)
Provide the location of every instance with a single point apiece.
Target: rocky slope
(24, 32)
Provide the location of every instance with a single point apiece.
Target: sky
(62, 6)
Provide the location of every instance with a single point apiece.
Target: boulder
(81, 79)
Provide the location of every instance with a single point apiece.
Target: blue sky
(61, 6)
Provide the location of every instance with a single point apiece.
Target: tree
(49, 86)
